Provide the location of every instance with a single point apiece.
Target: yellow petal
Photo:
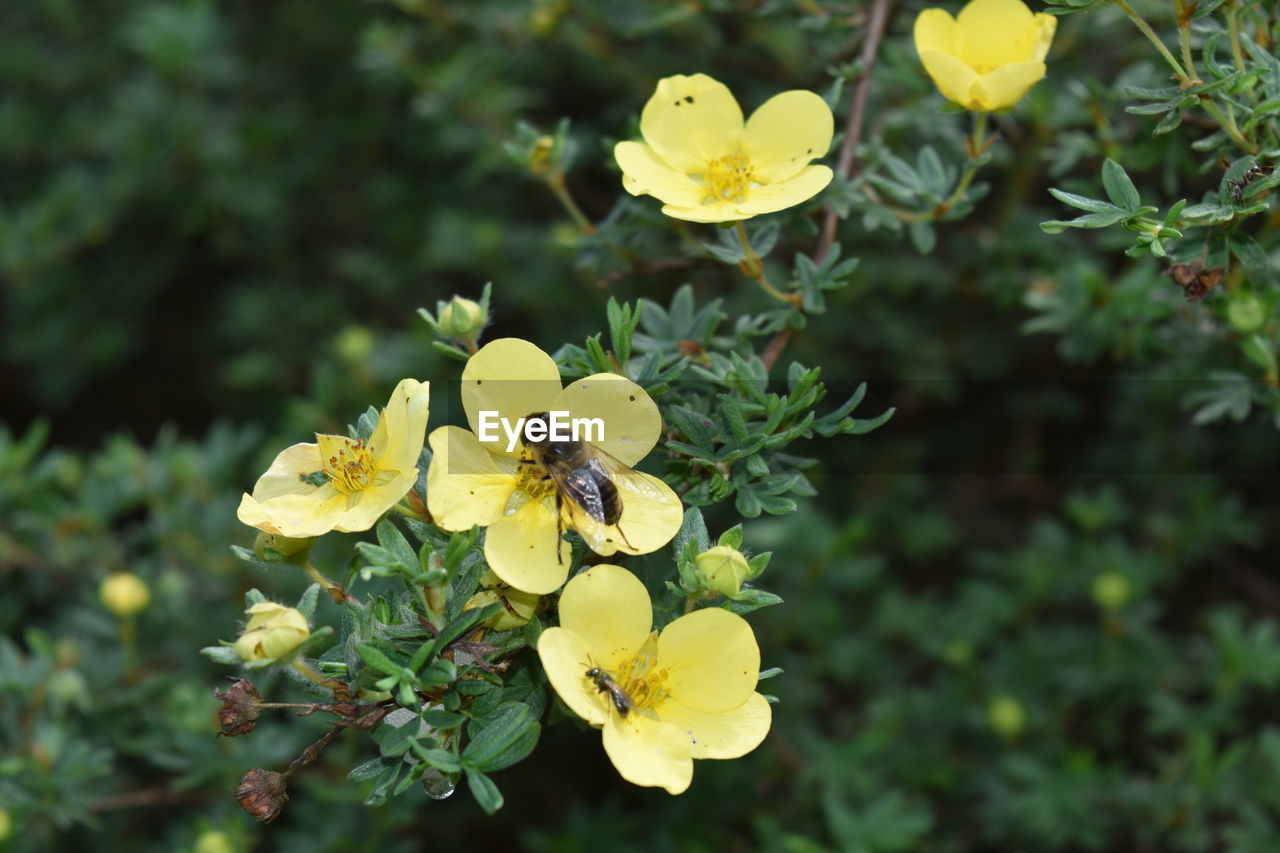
(651, 516)
(1005, 86)
(721, 734)
(364, 508)
(711, 658)
(646, 174)
(284, 477)
(648, 752)
(248, 648)
(511, 377)
(935, 30)
(397, 441)
(465, 485)
(521, 549)
(609, 608)
(566, 658)
(1043, 28)
(630, 418)
(691, 121)
(789, 193)
(785, 133)
(993, 33)
(298, 516)
(721, 211)
(954, 79)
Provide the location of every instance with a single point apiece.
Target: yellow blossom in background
(471, 482)
(340, 483)
(706, 165)
(987, 57)
(689, 691)
(272, 632)
(517, 607)
(124, 594)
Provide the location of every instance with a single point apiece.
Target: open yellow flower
(989, 56)
(689, 691)
(706, 165)
(339, 483)
(496, 484)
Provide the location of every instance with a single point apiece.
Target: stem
(1233, 29)
(309, 673)
(1184, 35)
(978, 143)
(1228, 124)
(335, 590)
(128, 645)
(1146, 30)
(557, 184)
(405, 509)
(435, 601)
(754, 267)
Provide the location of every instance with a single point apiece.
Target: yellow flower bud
(540, 155)
(124, 594)
(287, 545)
(273, 631)
(6, 824)
(1110, 590)
(724, 569)
(1246, 314)
(462, 318)
(212, 841)
(355, 344)
(1007, 716)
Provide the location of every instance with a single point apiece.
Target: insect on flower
(605, 684)
(588, 485)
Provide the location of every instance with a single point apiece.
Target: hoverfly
(605, 684)
(587, 484)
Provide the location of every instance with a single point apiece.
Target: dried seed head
(262, 794)
(241, 704)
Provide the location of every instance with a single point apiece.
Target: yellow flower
(517, 607)
(124, 594)
(339, 483)
(989, 56)
(689, 691)
(495, 484)
(705, 165)
(272, 632)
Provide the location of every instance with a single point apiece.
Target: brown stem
(853, 126)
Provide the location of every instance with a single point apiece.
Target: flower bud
(124, 594)
(1007, 716)
(284, 544)
(262, 794)
(461, 318)
(212, 841)
(1246, 314)
(1110, 590)
(240, 707)
(273, 631)
(724, 569)
(355, 344)
(6, 824)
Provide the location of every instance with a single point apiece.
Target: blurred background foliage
(1031, 612)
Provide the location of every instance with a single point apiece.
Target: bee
(587, 481)
(1250, 175)
(605, 684)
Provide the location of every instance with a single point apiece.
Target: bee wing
(651, 512)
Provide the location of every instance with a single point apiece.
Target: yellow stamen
(348, 463)
(728, 178)
(641, 680)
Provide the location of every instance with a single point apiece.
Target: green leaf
(485, 792)
(692, 529)
(1248, 251)
(1093, 205)
(438, 719)
(1119, 186)
(375, 659)
(441, 759)
(501, 738)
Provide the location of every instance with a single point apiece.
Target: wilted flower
(987, 57)
(706, 165)
(663, 699)
(262, 794)
(124, 594)
(340, 483)
(241, 705)
(474, 482)
(272, 632)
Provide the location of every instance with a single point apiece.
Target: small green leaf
(1119, 186)
(485, 792)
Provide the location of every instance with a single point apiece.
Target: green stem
(335, 590)
(1228, 124)
(978, 143)
(1184, 36)
(754, 267)
(557, 184)
(309, 673)
(1146, 30)
(404, 509)
(1233, 28)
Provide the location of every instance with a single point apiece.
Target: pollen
(348, 463)
(642, 681)
(728, 178)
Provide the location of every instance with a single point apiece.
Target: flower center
(533, 480)
(641, 679)
(348, 463)
(728, 178)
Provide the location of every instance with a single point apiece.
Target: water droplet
(437, 785)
